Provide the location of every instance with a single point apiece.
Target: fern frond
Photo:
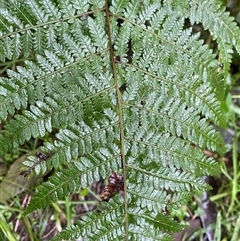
(67, 181)
(141, 227)
(124, 86)
(78, 175)
(222, 27)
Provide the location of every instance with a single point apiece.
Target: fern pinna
(129, 88)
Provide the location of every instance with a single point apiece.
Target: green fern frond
(222, 27)
(124, 87)
(143, 229)
(67, 181)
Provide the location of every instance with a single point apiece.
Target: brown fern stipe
(115, 185)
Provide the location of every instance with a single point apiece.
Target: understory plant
(126, 87)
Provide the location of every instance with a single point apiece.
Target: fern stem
(68, 211)
(235, 171)
(119, 104)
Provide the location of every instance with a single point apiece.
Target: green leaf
(122, 87)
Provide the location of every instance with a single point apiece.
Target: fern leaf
(124, 86)
(144, 228)
(213, 17)
(46, 194)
